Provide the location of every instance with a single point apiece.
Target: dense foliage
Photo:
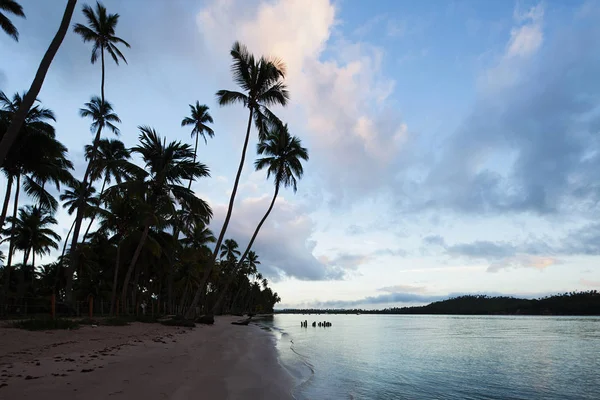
(139, 237)
(574, 303)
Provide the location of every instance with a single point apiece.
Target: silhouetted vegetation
(573, 303)
(139, 242)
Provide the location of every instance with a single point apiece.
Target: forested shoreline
(573, 303)
(139, 235)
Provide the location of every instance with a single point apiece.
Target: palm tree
(101, 31)
(166, 166)
(19, 118)
(102, 116)
(110, 162)
(261, 81)
(32, 234)
(198, 119)
(10, 6)
(229, 250)
(122, 216)
(36, 152)
(284, 154)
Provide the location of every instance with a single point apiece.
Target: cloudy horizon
(452, 144)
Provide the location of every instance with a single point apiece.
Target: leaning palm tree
(283, 159)
(12, 132)
(10, 6)
(101, 31)
(102, 115)
(284, 154)
(261, 81)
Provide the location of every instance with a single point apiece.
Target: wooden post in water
(53, 306)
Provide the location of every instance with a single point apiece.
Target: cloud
(529, 144)
(354, 230)
(339, 101)
(434, 240)
(284, 244)
(389, 298)
(347, 261)
(403, 289)
(588, 283)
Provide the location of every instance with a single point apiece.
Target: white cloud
(339, 101)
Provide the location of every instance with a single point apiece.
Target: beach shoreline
(145, 361)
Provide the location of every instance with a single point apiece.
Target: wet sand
(142, 361)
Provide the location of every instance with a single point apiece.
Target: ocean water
(440, 357)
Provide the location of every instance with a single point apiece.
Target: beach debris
(242, 322)
(314, 324)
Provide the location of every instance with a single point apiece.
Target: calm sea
(440, 357)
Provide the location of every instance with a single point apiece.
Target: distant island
(573, 303)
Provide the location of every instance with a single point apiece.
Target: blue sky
(454, 144)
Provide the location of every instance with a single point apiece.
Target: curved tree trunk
(243, 257)
(202, 286)
(136, 255)
(6, 201)
(79, 220)
(94, 215)
(15, 126)
(113, 296)
(11, 246)
(102, 82)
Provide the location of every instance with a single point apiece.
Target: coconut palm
(110, 163)
(100, 30)
(166, 166)
(12, 7)
(12, 132)
(283, 160)
(261, 81)
(198, 119)
(229, 250)
(102, 115)
(32, 233)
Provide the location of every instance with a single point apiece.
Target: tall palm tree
(18, 119)
(166, 166)
(102, 115)
(100, 30)
(283, 160)
(12, 7)
(110, 163)
(198, 119)
(284, 154)
(262, 84)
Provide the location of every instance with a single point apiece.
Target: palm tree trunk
(136, 255)
(102, 82)
(94, 215)
(15, 126)
(113, 296)
(11, 246)
(239, 264)
(202, 286)
(79, 220)
(134, 290)
(6, 201)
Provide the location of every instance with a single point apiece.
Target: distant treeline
(574, 303)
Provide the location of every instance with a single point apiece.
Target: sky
(453, 144)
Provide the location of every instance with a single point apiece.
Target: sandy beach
(142, 361)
